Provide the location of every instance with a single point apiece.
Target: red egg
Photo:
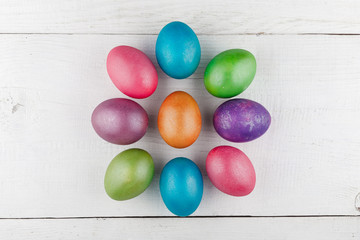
(132, 72)
(231, 171)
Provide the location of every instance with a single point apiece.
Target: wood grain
(52, 162)
(205, 17)
(182, 228)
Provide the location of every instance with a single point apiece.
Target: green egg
(129, 174)
(230, 73)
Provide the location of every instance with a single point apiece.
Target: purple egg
(120, 121)
(241, 120)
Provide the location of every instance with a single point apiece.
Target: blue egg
(181, 186)
(178, 50)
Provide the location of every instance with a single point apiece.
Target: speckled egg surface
(241, 120)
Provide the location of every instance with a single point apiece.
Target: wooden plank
(206, 17)
(53, 163)
(184, 228)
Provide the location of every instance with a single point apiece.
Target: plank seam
(216, 216)
(200, 34)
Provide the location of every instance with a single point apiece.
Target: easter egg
(181, 186)
(132, 72)
(230, 73)
(241, 120)
(179, 120)
(178, 50)
(230, 171)
(120, 121)
(129, 174)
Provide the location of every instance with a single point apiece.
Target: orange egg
(179, 120)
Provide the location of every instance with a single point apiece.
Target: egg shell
(241, 120)
(178, 50)
(230, 171)
(132, 72)
(120, 121)
(181, 186)
(230, 73)
(129, 174)
(179, 120)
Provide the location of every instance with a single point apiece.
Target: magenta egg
(120, 121)
(230, 171)
(132, 72)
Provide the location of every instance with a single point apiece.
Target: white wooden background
(53, 74)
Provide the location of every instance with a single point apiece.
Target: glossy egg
(132, 72)
(129, 174)
(120, 121)
(230, 170)
(241, 120)
(178, 50)
(179, 120)
(181, 186)
(230, 73)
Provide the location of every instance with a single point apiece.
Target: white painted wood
(185, 228)
(52, 163)
(205, 17)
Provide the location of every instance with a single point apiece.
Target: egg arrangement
(123, 121)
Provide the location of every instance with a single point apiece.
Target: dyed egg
(120, 121)
(230, 73)
(241, 120)
(230, 170)
(178, 50)
(132, 72)
(129, 174)
(181, 186)
(179, 120)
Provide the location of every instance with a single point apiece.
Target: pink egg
(231, 171)
(132, 72)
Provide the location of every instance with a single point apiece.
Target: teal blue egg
(181, 186)
(178, 50)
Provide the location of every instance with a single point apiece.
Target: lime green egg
(230, 73)
(129, 174)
